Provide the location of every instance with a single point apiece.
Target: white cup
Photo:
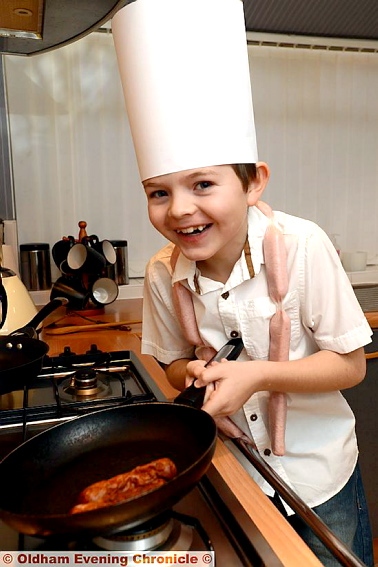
(354, 261)
(104, 291)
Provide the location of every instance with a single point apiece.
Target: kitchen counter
(283, 540)
(372, 319)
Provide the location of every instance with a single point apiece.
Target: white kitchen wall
(317, 126)
(316, 116)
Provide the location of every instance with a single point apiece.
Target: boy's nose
(181, 205)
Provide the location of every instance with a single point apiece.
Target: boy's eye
(158, 194)
(204, 184)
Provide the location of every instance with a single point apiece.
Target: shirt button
(234, 334)
(267, 452)
(225, 295)
(253, 417)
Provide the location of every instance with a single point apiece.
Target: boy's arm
(324, 371)
(176, 372)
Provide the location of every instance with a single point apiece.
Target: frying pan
(44, 476)
(21, 353)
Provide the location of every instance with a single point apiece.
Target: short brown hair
(246, 172)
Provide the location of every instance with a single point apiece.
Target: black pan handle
(28, 329)
(193, 396)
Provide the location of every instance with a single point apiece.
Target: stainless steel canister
(35, 265)
(119, 271)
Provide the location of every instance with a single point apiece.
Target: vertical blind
(317, 126)
(73, 159)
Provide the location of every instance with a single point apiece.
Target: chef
(236, 268)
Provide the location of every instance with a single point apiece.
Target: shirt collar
(257, 223)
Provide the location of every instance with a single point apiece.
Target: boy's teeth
(193, 229)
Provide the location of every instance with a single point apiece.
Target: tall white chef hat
(185, 76)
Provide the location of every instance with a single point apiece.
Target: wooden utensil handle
(94, 327)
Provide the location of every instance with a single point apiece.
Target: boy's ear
(257, 186)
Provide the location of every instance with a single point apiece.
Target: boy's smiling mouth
(193, 229)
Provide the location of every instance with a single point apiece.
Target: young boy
(210, 214)
(235, 268)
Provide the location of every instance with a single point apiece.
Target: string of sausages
(279, 328)
(275, 257)
(183, 305)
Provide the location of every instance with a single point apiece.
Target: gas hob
(70, 385)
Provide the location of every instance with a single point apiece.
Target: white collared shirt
(321, 446)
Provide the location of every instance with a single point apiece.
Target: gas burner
(86, 383)
(164, 533)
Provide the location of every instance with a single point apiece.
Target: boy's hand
(229, 385)
(193, 371)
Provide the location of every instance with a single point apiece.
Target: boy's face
(202, 211)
